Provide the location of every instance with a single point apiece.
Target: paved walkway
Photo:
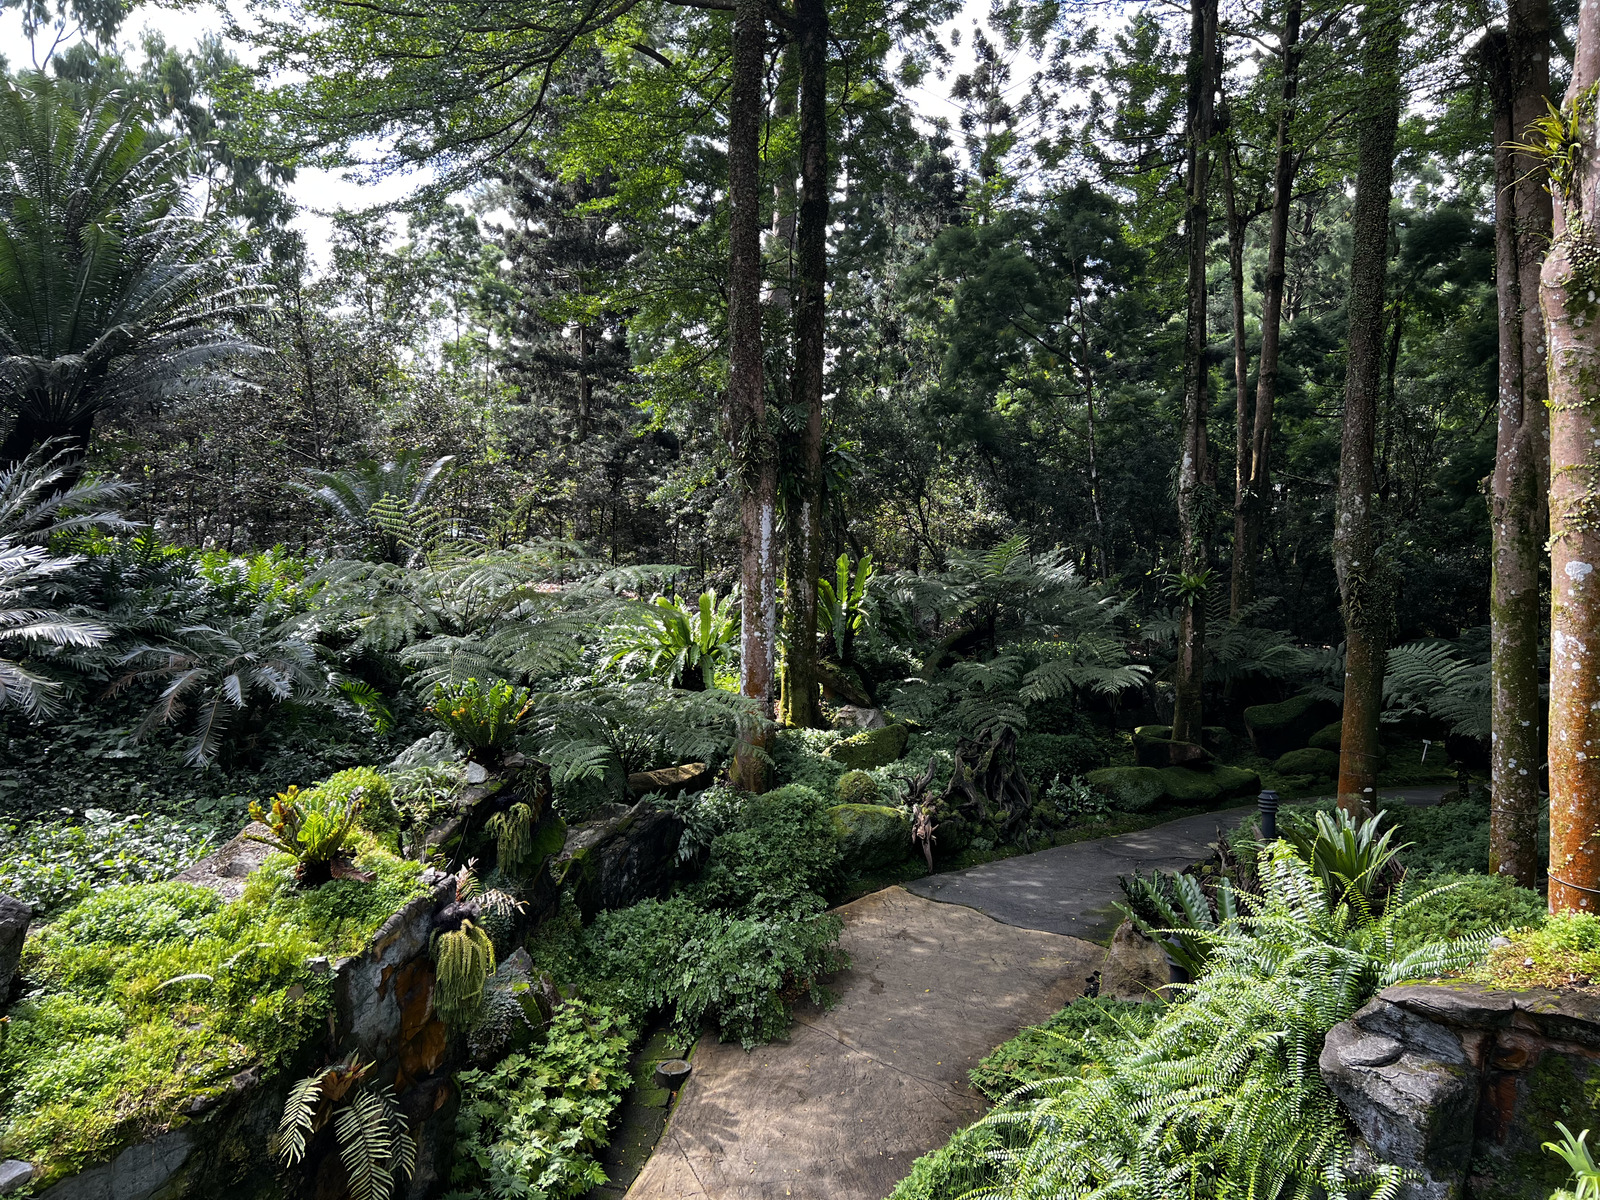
(944, 969)
(840, 1110)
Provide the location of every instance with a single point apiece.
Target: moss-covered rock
(870, 835)
(1324, 764)
(1234, 782)
(870, 748)
(1131, 789)
(857, 787)
(1153, 746)
(1328, 737)
(1184, 786)
(1288, 725)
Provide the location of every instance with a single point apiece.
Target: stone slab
(840, 1110)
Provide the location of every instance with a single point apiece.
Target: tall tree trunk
(810, 324)
(1250, 515)
(1365, 587)
(1519, 73)
(1568, 286)
(1193, 508)
(1086, 372)
(1238, 225)
(750, 441)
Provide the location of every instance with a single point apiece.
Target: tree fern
(1449, 682)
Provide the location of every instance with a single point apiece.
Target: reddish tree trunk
(1365, 588)
(1569, 285)
(1518, 62)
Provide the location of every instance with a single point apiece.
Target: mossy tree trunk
(804, 559)
(1194, 502)
(1518, 65)
(749, 440)
(1569, 285)
(1250, 510)
(1365, 586)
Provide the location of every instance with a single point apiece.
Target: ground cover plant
(145, 996)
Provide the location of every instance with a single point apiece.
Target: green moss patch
(1288, 725)
(870, 748)
(1562, 952)
(1131, 789)
(145, 1000)
(870, 836)
(858, 787)
(1320, 764)
(1184, 786)
(1328, 737)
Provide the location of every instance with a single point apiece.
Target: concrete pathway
(840, 1110)
(1071, 889)
(944, 969)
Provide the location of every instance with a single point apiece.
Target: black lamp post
(1267, 804)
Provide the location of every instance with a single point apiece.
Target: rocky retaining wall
(1462, 1086)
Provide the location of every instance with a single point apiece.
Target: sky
(320, 192)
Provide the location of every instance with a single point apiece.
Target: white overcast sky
(320, 192)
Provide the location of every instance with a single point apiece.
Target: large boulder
(671, 781)
(1153, 746)
(1328, 737)
(870, 748)
(1288, 725)
(1130, 789)
(1235, 783)
(1135, 967)
(1322, 764)
(1184, 786)
(14, 919)
(1410, 1088)
(620, 860)
(858, 787)
(870, 836)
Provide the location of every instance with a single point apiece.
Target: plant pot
(671, 1073)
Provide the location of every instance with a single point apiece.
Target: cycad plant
(668, 640)
(1354, 859)
(112, 290)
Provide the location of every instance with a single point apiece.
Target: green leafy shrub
(800, 756)
(147, 996)
(857, 787)
(780, 845)
(50, 864)
(1452, 836)
(1058, 1046)
(484, 719)
(1043, 756)
(1070, 802)
(531, 1125)
(1573, 1149)
(1350, 857)
(743, 972)
(1473, 904)
(313, 827)
(870, 748)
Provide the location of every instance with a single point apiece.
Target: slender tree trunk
(1365, 588)
(810, 324)
(1518, 62)
(1568, 286)
(1251, 514)
(1238, 224)
(1193, 507)
(1086, 371)
(750, 442)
